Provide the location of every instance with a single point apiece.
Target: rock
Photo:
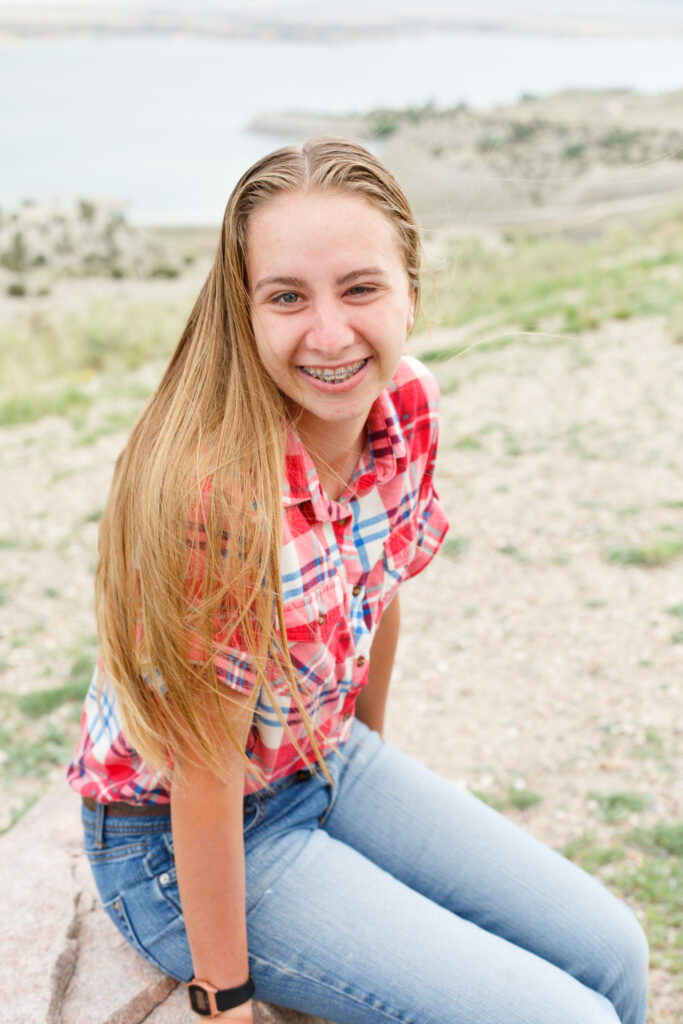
(62, 961)
(39, 916)
(110, 979)
(80, 237)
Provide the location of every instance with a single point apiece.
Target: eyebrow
(296, 282)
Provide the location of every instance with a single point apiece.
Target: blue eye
(287, 298)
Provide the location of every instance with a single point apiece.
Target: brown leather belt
(124, 810)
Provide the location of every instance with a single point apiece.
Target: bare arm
(372, 699)
(206, 817)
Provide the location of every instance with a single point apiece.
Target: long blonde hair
(191, 536)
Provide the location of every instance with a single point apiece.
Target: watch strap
(207, 1000)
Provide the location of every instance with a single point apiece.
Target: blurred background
(542, 148)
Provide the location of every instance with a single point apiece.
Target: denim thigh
(416, 902)
(467, 858)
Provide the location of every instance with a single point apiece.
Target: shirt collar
(385, 455)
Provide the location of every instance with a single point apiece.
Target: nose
(330, 331)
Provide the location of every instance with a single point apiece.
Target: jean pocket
(160, 869)
(124, 849)
(155, 930)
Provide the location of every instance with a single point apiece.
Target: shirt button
(117, 906)
(356, 590)
(321, 618)
(360, 660)
(346, 716)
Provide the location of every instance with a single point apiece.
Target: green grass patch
(47, 361)
(644, 867)
(93, 516)
(519, 799)
(657, 886)
(33, 755)
(32, 406)
(591, 857)
(455, 547)
(468, 443)
(442, 355)
(114, 421)
(82, 666)
(512, 551)
(523, 799)
(42, 702)
(652, 747)
(616, 807)
(663, 837)
(563, 285)
(650, 554)
(20, 812)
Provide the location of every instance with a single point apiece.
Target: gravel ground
(528, 659)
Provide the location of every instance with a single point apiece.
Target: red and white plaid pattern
(342, 562)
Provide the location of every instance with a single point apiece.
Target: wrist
(240, 1013)
(208, 1000)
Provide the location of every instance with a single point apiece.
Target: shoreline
(57, 23)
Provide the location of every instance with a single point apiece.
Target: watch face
(199, 1000)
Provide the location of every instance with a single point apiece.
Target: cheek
(271, 339)
(390, 326)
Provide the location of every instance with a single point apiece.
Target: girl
(243, 817)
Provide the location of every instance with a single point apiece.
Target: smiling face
(331, 307)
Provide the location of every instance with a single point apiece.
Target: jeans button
(164, 879)
(116, 905)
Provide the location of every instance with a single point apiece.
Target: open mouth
(331, 376)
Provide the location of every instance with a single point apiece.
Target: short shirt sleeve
(432, 527)
(431, 520)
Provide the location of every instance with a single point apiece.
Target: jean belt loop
(99, 825)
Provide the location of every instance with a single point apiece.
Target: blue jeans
(392, 896)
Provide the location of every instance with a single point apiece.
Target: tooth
(330, 376)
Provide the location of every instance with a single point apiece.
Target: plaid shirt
(342, 562)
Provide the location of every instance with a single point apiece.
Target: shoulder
(414, 394)
(414, 386)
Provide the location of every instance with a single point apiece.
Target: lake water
(160, 122)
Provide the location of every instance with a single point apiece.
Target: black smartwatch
(209, 1001)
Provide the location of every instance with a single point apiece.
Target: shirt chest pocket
(318, 634)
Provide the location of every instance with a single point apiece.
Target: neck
(335, 453)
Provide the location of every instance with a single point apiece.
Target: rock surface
(62, 961)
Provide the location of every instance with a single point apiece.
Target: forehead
(319, 228)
